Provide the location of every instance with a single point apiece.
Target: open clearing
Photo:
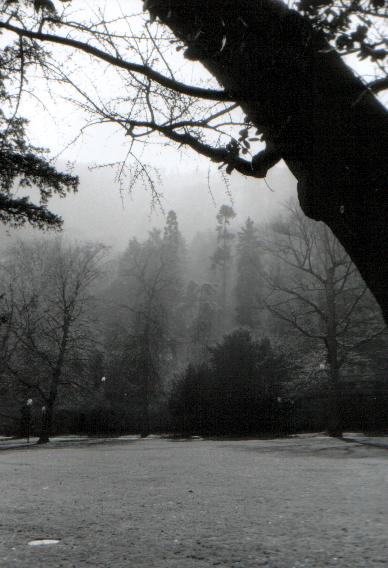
(292, 503)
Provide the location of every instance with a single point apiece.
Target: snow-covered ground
(296, 503)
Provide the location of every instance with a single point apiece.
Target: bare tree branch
(177, 86)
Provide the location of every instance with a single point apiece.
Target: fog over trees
(245, 328)
(283, 83)
(222, 264)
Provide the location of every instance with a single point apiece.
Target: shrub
(235, 394)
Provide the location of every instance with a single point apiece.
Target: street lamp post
(28, 418)
(102, 420)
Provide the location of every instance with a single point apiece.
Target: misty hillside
(102, 211)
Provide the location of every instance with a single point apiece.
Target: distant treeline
(247, 330)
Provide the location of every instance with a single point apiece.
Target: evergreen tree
(22, 165)
(247, 291)
(236, 392)
(200, 308)
(171, 236)
(173, 254)
(222, 260)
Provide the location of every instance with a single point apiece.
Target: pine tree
(173, 255)
(22, 165)
(247, 291)
(222, 260)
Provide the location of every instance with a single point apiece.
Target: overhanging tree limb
(378, 85)
(327, 126)
(177, 86)
(258, 167)
(19, 210)
(229, 156)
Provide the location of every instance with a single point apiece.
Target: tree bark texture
(326, 125)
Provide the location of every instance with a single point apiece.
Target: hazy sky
(100, 210)
(189, 184)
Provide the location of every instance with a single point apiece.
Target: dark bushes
(236, 393)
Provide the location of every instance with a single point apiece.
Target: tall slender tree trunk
(317, 115)
(47, 418)
(145, 403)
(223, 315)
(335, 414)
(225, 268)
(335, 418)
(145, 416)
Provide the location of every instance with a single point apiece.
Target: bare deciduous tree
(50, 286)
(317, 290)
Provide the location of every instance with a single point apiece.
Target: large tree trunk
(335, 414)
(330, 130)
(47, 418)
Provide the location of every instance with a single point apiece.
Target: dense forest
(248, 329)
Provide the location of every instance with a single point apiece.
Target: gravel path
(298, 503)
